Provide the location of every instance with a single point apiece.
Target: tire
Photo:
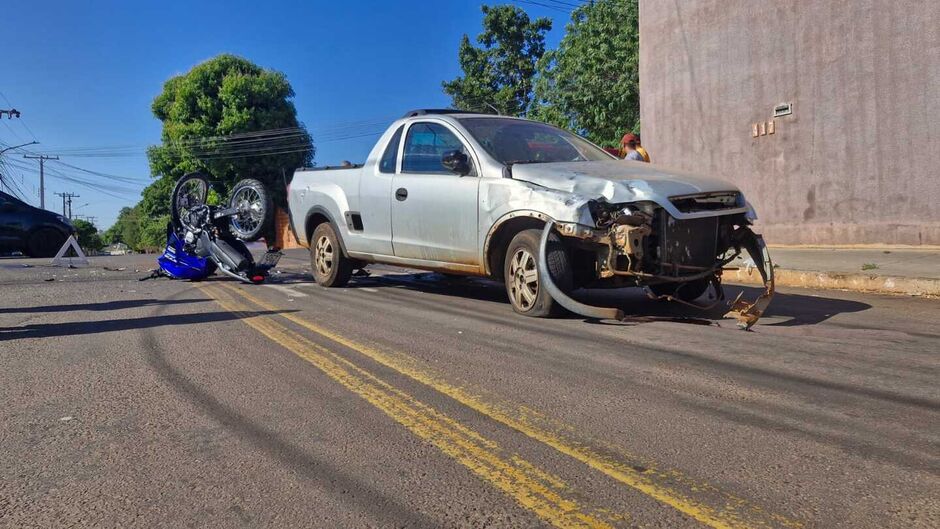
(520, 271)
(329, 266)
(687, 292)
(191, 191)
(256, 210)
(45, 242)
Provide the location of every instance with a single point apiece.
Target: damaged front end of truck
(643, 244)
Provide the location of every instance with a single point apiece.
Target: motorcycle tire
(191, 191)
(255, 210)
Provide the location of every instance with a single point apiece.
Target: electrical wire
(19, 118)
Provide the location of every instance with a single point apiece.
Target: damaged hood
(617, 180)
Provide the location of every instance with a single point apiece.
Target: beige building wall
(857, 161)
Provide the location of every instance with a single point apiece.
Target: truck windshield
(516, 141)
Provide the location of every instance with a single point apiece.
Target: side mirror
(456, 162)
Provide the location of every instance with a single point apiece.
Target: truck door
(434, 211)
(375, 197)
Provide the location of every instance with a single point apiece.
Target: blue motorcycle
(203, 238)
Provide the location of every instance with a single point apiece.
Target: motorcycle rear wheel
(255, 210)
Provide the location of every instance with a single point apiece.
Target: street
(411, 399)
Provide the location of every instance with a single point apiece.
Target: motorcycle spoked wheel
(189, 196)
(255, 210)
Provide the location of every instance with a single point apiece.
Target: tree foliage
(499, 73)
(590, 84)
(227, 117)
(220, 97)
(140, 232)
(88, 237)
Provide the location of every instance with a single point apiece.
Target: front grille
(706, 201)
(686, 247)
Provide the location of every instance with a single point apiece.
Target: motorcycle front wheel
(255, 210)
(189, 196)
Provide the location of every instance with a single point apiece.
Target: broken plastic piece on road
(747, 313)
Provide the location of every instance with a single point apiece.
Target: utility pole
(90, 218)
(67, 199)
(11, 113)
(42, 177)
(70, 196)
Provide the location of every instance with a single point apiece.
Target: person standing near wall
(642, 151)
(629, 148)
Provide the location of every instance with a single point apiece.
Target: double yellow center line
(539, 492)
(536, 490)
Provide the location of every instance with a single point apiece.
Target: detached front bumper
(747, 313)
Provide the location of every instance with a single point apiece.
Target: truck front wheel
(522, 276)
(330, 267)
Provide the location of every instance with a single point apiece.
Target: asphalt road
(412, 400)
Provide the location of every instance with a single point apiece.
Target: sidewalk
(895, 271)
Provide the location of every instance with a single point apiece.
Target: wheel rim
(192, 195)
(250, 210)
(323, 255)
(524, 279)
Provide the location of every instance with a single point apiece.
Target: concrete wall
(858, 161)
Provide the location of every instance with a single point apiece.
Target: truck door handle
(401, 194)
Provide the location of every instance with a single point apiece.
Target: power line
(20, 118)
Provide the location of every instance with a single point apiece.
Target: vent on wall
(783, 109)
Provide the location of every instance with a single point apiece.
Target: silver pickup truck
(539, 208)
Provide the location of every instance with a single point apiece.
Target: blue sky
(83, 74)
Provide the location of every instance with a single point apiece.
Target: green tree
(590, 84)
(499, 73)
(88, 237)
(230, 118)
(126, 229)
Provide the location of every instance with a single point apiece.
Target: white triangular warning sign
(60, 259)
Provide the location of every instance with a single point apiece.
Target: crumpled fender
(545, 281)
(747, 313)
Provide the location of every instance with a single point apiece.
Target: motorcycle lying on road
(203, 238)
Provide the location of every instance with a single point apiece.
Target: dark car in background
(34, 232)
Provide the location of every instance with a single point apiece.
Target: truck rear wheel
(521, 274)
(330, 267)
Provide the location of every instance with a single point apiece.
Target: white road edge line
(288, 291)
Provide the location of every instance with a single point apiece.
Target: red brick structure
(285, 237)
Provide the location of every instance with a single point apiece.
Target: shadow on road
(324, 474)
(790, 309)
(48, 330)
(106, 305)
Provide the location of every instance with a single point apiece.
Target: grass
(869, 266)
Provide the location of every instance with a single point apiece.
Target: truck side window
(390, 156)
(425, 144)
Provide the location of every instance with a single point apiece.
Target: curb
(908, 286)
